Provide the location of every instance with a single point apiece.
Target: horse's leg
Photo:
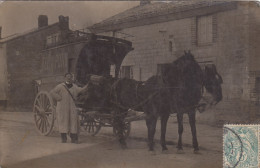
(192, 122)
(180, 129)
(164, 120)
(151, 126)
(119, 124)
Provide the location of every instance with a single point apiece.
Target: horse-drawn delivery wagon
(89, 57)
(107, 100)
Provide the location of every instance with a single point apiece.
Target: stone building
(222, 33)
(21, 60)
(37, 60)
(3, 76)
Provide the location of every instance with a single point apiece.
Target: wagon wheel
(126, 131)
(44, 113)
(89, 124)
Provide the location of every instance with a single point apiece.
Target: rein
(156, 92)
(136, 106)
(136, 89)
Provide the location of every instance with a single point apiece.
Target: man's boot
(74, 138)
(63, 137)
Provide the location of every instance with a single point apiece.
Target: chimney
(144, 2)
(64, 22)
(0, 32)
(42, 21)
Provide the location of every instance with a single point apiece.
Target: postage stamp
(241, 146)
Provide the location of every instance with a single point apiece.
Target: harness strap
(138, 105)
(136, 89)
(69, 92)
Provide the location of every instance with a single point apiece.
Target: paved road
(22, 147)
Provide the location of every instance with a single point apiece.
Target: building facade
(22, 60)
(222, 33)
(37, 60)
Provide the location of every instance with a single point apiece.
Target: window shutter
(205, 30)
(194, 31)
(214, 28)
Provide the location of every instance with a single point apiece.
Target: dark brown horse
(177, 90)
(186, 81)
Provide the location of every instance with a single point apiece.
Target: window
(126, 72)
(257, 90)
(161, 68)
(170, 46)
(204, 30)
(17, 53)
(204, 64)
(52, 39)
(257, 84)
(54, 63)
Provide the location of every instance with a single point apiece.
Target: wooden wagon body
(81, 55)
(88, 54)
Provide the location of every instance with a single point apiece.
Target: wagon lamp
(38, 82)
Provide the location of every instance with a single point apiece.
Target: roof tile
(153, 10)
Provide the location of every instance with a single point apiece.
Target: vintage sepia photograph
(129, 84)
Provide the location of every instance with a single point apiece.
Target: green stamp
(240, 146)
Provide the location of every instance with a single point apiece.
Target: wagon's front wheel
(44, 113)
(90, 125)
(126, 130)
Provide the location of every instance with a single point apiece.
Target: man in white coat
(67, 115)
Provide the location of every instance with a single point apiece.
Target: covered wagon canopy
(99, 54)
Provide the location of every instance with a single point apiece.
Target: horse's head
(188, 79)
(210, 78)
(212, 83)
(188, 56)
(185, 61)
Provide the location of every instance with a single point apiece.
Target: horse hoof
(152, 152)
(196, 151)
(180, 151)
(123, 146)
(164, 148)
(165, 152)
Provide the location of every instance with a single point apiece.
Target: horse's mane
(185, 68)
(187, 60)
(185, 77)
(186, 56)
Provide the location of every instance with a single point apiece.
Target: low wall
(230, 111)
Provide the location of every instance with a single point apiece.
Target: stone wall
(235, 40)
(23, 65)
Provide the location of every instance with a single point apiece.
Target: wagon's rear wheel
(90, 125)
(126, 130)
(44, 113)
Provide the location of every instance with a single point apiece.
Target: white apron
(66, 112)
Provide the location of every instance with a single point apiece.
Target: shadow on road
(110, 155)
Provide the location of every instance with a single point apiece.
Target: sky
(19, 17)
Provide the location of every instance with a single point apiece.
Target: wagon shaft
(133, 115)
